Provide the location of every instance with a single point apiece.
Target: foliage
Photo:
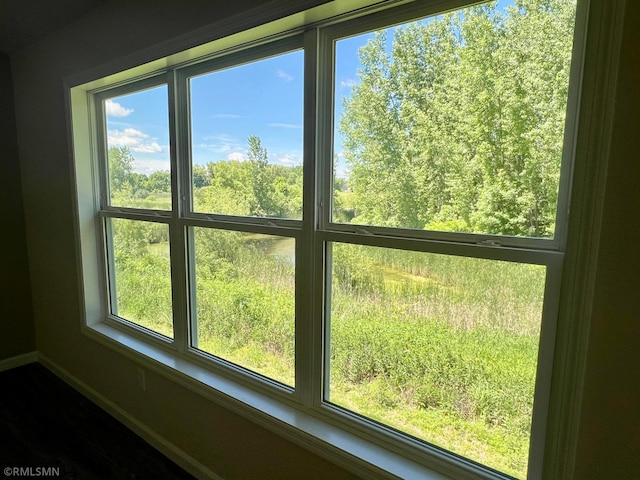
(245, 300)
(262, 202)
(200, 177)
(253, 187)
(438, 346)
(158, 182)
(462, 120)
(120, 168)
(132, 189)
(142, 274)
(441, 347)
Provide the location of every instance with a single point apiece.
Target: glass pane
(455, 123)
(142, 274)
(247, 138)
(138, 149)
(440, 347)
(245, 291)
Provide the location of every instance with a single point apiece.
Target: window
(449, 127)
(364, 222)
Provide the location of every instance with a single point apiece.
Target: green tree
(459, 124)
(262, 203)
(159, 182)
(229, 191)
(120, 168)
(200, 176)
(253, 187)
(138, 183)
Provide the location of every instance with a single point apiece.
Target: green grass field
(442, 348)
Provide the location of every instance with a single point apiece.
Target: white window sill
(345, 449)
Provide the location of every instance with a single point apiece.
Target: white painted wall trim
(165, 447)
(18, 361)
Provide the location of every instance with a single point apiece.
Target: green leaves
(461, 120)
(120, 167)
(233, 187)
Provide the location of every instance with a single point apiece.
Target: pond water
(284, 248)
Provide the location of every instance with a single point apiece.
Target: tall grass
(143, 274)
(245, 302)
(417, 338)
(440, 347)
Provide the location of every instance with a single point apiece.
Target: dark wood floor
(45, 423)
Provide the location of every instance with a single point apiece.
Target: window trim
(592, 128)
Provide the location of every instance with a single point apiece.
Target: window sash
(183, 107)
(380, 20)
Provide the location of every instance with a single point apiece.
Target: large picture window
(365, 222)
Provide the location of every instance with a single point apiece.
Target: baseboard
(172, 452)
(18, 361)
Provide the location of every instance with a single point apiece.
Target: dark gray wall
(609, 445)
(16, 320)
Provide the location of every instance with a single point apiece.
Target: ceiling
(23, 22)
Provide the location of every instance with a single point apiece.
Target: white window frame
(301, 414)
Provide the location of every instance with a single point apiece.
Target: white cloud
(114, 109)
(284, 75)
(134, 139)
(236, 156)
(216, 147)
(289, 160)
(150, 166)
(284, 125)
(222, 143)
(148, 148)
(348, 83)
(220, 137)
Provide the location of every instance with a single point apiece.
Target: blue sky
(262, 98)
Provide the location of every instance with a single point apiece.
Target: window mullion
(178, 138)
(324, 169)
(308, 369)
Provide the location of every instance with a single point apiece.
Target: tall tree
(262, 203)
(159, 181)
(120, 168)
(459, 124)
(200, 176)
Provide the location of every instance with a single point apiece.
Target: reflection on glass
(245, 291)
(443, 348)
(138, 149)
(142, 274)
(246, 138)
(455, 123)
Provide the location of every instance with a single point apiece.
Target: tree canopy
(232, 187)
(459, 125)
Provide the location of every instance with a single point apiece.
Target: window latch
(489, 243)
